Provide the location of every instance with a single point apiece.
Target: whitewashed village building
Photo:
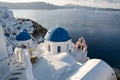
(57, 58)
(24, 38)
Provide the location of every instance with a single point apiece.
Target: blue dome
(57, 34)
(23, 36)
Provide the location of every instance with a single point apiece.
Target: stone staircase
(17, 70)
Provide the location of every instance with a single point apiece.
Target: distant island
(48, 6)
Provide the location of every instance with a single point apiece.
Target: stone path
(18, 70)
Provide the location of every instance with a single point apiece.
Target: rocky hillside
(39, 30)
(13, 26)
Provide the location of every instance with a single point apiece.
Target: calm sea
(100, 28)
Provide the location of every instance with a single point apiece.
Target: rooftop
(57, 34)
(23, 36)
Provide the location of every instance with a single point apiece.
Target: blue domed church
(24, 38)
(57, 40)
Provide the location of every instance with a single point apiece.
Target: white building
(94, 69)
(6, 16)
(57, 41)
(4, 67)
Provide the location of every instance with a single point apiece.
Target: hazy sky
(97, 3)
(59, 2)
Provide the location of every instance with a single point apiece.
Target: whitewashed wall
(4, 67)
(28, 43)
(65, 46)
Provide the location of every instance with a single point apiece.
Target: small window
(59, 49)
(67, 46)
(82, 47)
(48, 47)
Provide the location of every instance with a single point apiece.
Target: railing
(11, 42)
(3, 59)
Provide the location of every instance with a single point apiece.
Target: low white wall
(4, 67)
(28, 71)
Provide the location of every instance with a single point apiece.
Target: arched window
(81, 41)
(58, 49)
(49, 48)
(82, 47)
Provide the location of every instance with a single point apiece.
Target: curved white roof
(61, 60)
(94, 69)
